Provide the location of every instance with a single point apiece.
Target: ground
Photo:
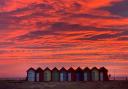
(9, 84)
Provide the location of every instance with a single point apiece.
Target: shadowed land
(13, 84)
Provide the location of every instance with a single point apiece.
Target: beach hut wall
(87, 74)
(79, 74)
(31, 74)
(47, 74)
(71, 74)
(95, 74)
(39, 75)
(55, 74)
(63, 74)
(103, 74)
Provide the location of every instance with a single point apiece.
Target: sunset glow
(57, 33)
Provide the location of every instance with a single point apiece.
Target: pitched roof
(47, 69)
(86, 69)
(63, 69)
(31, 69)
(94, 68)
(70, 69)
(78, 69)
(103, 69)
(39, 69)
(55, 69)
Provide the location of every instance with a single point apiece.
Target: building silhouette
(79, 74)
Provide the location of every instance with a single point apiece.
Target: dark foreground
(63, 85)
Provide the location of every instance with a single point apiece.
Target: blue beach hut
(79, 74)
(63, 74)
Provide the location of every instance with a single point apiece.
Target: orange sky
(41, 33)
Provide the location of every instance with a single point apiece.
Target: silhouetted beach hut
(39, 75)
(31, 74)
(47, 74)
(95, 74)
(55, 74)
(103, 74)
(79, 74)
(63, 74)
(87, 74)
(71, 74)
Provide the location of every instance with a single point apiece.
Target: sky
(57, 33)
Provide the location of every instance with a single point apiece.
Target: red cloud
(61, 32)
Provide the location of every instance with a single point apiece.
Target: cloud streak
(77, 32)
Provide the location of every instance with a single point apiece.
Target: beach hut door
(61, 77)
(85, 76)
(69, 76)
(31, 76)
(101, 76)
(93, 76)
(37, 77)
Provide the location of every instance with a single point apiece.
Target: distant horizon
(23, 78)
(23, 72)
(124, 75)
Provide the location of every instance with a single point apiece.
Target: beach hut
(63, 74)
(95, 74)
(71, 74)
(79, 74)
(39, 75)
(31, 74)
(87, 74)
(103, 74)
(55, 74)
(47, 74)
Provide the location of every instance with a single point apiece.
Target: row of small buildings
(71, 74)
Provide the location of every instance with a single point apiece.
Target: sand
(12, 84)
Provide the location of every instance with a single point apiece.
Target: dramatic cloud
(118, 8)
(63, 33)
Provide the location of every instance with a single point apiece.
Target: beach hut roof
(103, 69)
(94, 68)
(39, 69)
(78, 69)
(86, 69)
(31, 69)
(47, 69)
(63, 69)
(71, 69)
(55, 69)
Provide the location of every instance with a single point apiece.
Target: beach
(18, 84)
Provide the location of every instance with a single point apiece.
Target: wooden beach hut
(87, 74)
(55, 74)
(95, 74)
(31, 74)
(39, 75)
(71, 74)
(63, 74)
(79, 74)
(47, 74)
(103, 74)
